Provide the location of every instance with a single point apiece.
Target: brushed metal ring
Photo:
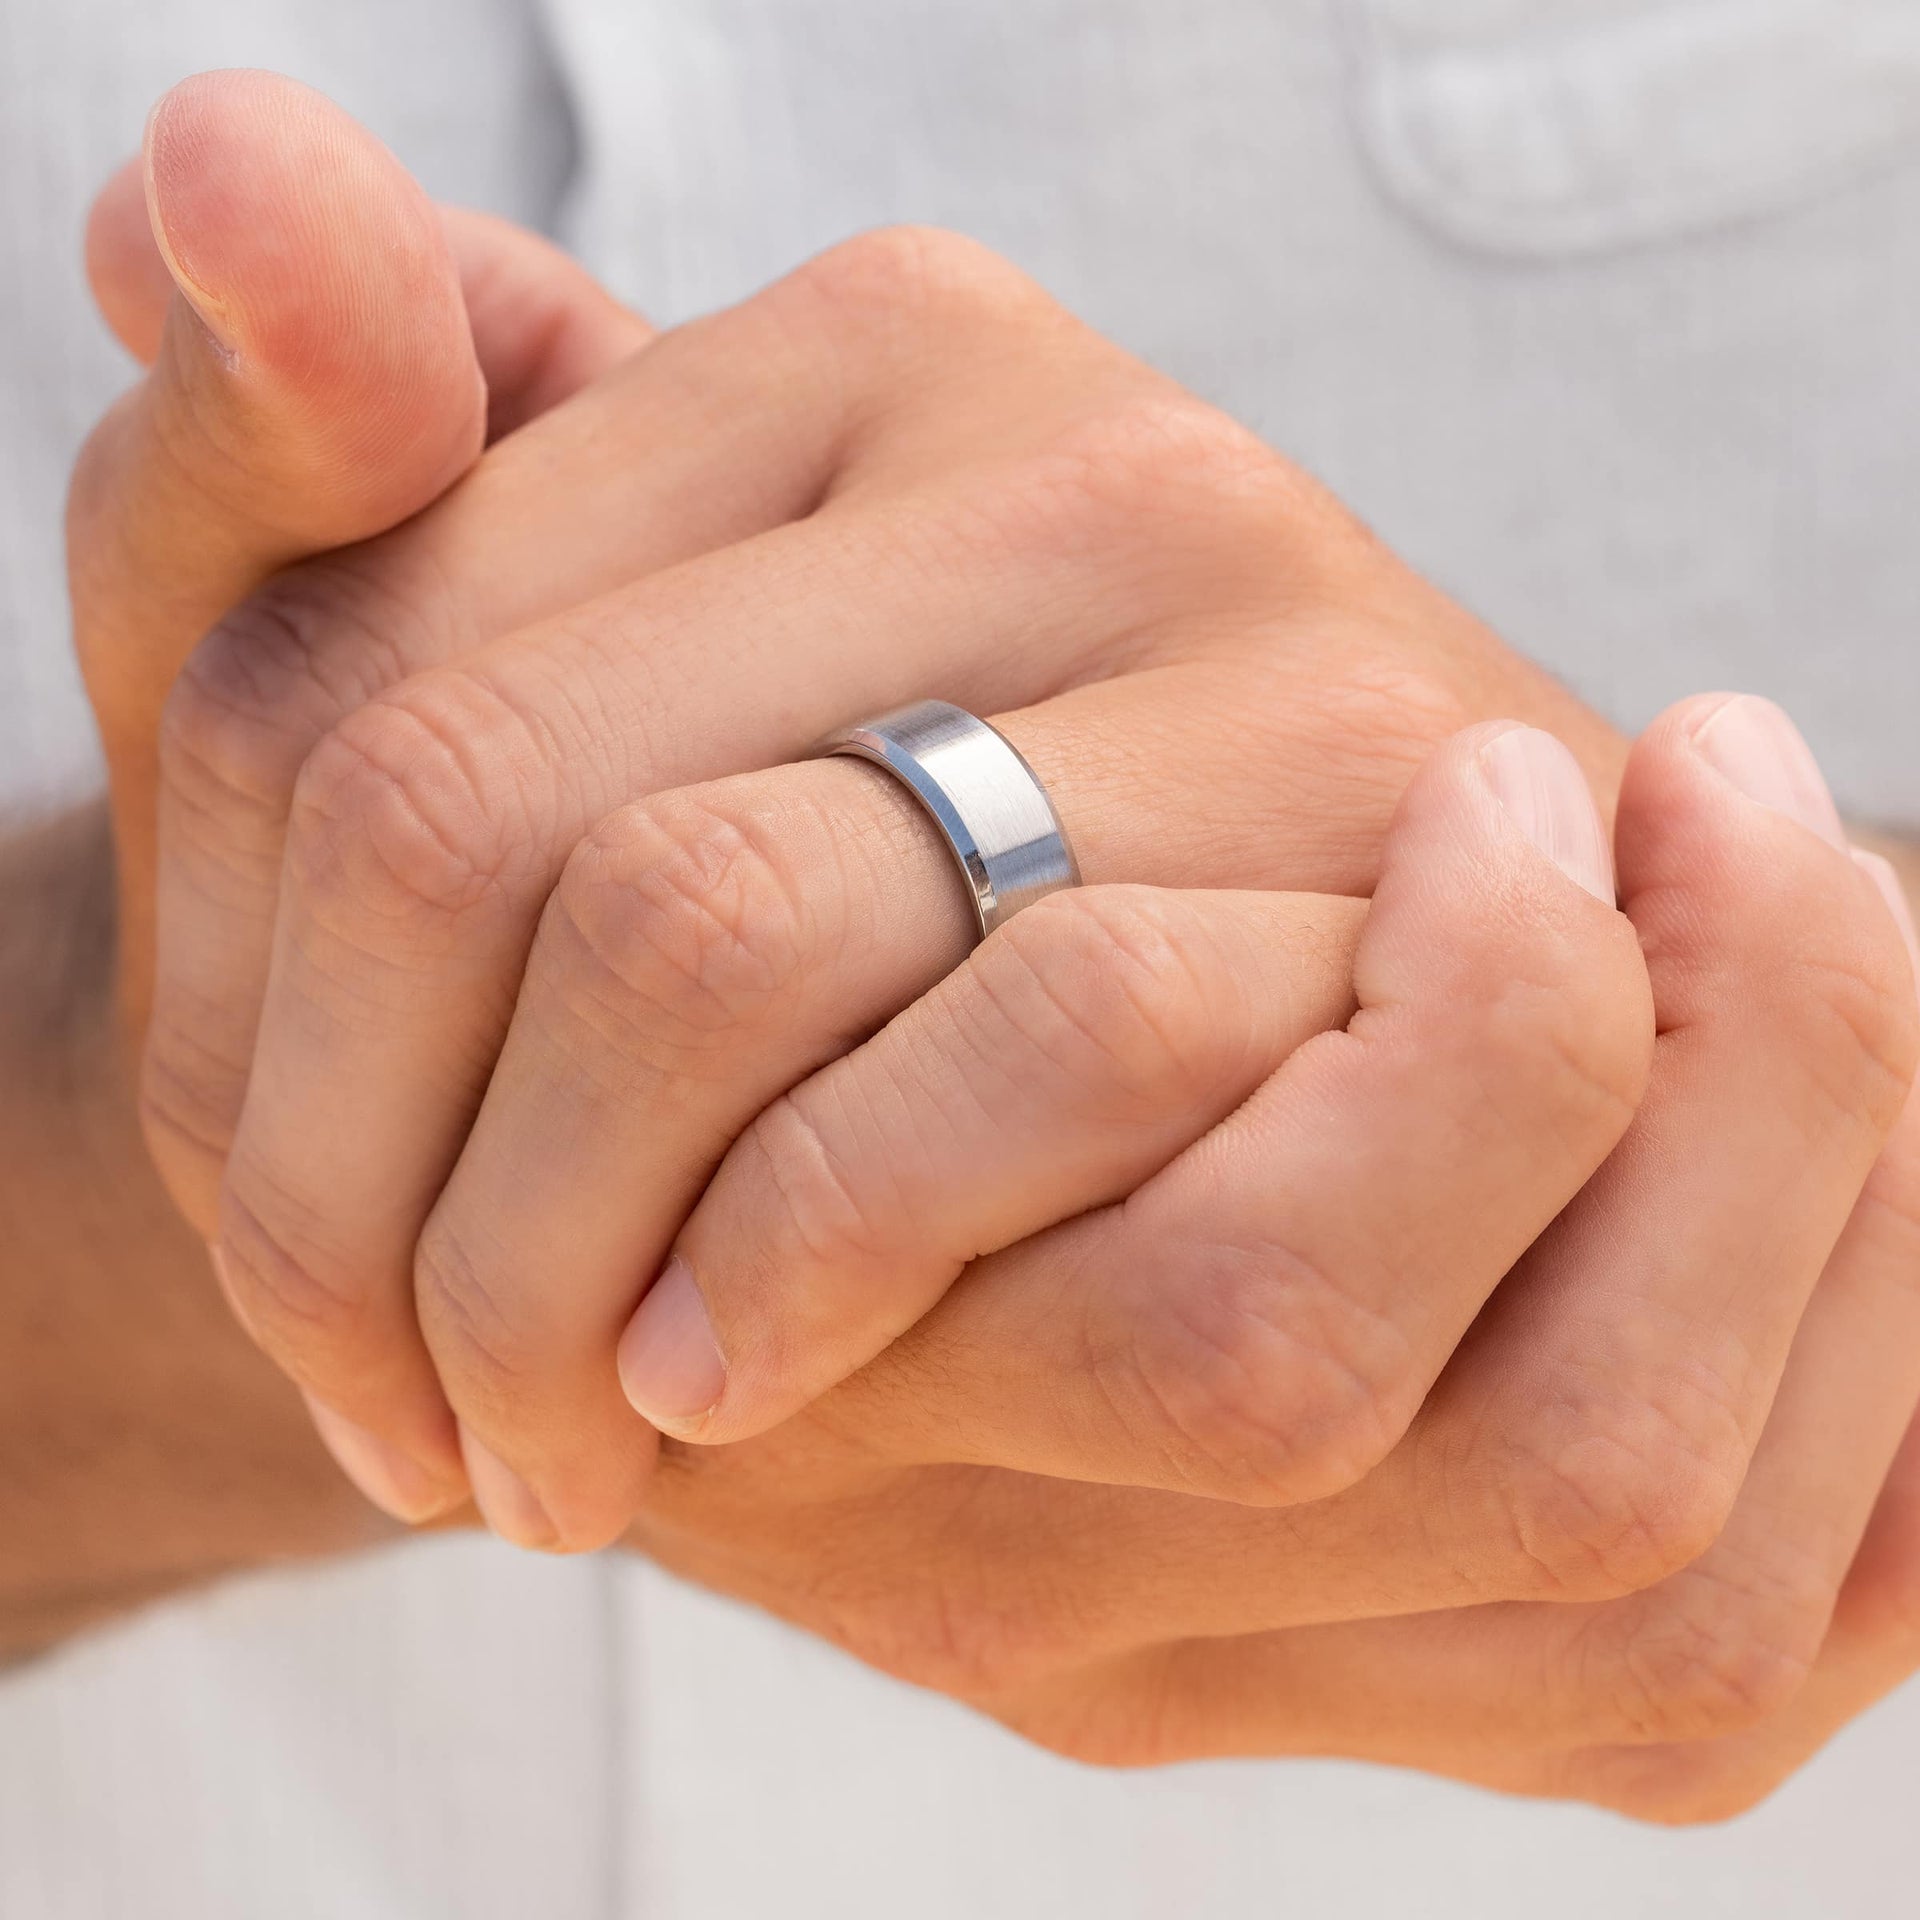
(989, 805)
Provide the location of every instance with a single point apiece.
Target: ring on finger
(990, 806)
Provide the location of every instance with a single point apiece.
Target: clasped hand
(1334, 1283)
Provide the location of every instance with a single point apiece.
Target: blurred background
(1602, 311)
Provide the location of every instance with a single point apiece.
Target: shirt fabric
(1602, 311)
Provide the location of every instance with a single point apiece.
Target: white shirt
(1603, 311)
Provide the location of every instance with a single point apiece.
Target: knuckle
(1708, 1656)
(677, 920)
(1105, 987)
(1257, 1378)
(467, 1329)
(1633, 1496)
(832, 1210)
(414, 806)
(1162, 457)
(1188, 498)
(896, 280)
(274, 1277)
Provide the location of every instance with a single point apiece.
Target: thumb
(543, 326)
(314, 383)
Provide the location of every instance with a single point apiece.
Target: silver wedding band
(987, 802)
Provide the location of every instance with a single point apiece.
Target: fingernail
(507, 1504)
(397, 1484)
(164, 164)
(671, 1366)
(1880, 871)
(1751, 743)
(1544, 788)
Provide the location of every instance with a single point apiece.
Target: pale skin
(1671, 1637)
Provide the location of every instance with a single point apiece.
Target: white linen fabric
(1602, 310)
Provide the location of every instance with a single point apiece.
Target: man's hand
(903, 469)
(905, 472)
